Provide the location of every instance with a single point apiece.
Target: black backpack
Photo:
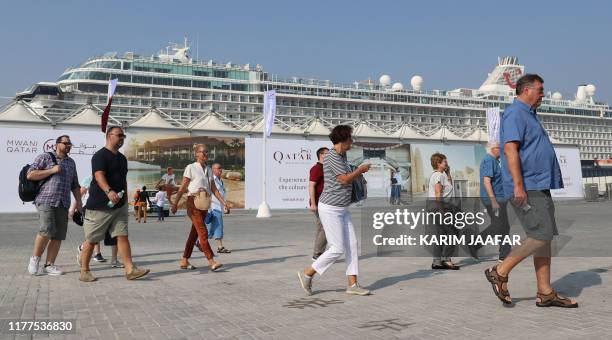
(28, 190)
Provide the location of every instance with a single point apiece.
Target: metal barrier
(591, 192)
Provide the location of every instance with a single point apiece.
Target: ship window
(162, 81)
(126, 78)
(127, 65)
(239, 87)
(181, 82)
(219, 74)
(201, 84)
(142, 79)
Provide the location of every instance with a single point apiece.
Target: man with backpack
(56, 176)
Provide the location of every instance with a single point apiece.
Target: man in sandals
(529, 171)
(107, 208)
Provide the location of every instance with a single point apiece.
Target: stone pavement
(257, 296)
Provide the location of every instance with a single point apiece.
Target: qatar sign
(19, 146)
(288, 163)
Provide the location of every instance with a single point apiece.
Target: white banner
(571, 170)
(288, 167)
(269, 111)
(493, 122)
(19, 146)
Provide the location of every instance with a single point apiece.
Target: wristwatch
(107, 191)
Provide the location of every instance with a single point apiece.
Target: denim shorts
(215, 228)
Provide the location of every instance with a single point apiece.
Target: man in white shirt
(160, 200)
(215, 228)
(168, 183)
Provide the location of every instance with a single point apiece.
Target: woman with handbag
(440, 199)
(199, 184)
(338, 193)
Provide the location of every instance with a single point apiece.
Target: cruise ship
(183, 90)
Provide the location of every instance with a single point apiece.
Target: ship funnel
(581, 94)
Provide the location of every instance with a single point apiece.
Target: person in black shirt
(141, 204)
(106, 208)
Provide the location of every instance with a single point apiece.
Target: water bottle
(526, 207)
(110, 204)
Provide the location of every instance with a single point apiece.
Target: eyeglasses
(65, 143)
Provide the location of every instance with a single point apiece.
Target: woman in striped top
(334, 214)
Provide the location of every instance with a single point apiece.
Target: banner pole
(264, 208)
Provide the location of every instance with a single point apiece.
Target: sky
(451, 44)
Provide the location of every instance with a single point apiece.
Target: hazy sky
(449, 43)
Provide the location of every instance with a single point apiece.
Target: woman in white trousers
(334, 214)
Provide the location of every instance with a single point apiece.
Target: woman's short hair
(197, 146)
(436, 159)
(340, 133)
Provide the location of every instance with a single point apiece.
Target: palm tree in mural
(147, 150)
(133, 146)
(234, 146)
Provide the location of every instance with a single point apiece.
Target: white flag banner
(112, 85)
(493, 124)
(269, 111)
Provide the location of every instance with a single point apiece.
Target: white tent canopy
(152, 119)
(478, 136)
(363, 130)
(296, 130)
(210, 122)
(18, 112)
(258, 126)
(88, 116)
(449, 135)
(316, 127)
(407, 132)
(439, 134)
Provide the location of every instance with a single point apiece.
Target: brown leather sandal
(186, 265)
(554, 300)
(216, 267)
(497, 282)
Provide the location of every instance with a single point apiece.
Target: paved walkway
(258, 296)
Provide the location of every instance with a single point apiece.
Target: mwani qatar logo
(49, 145)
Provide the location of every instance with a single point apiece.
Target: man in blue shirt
(529, 171)
(493, 198)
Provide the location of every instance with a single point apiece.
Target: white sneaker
(305, 282)
(357, 290)
(33, 266)
(117, 264)
(53, 270)
(79, 251)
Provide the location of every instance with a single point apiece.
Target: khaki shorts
(97, 222)
(539, 221)
(53, 221)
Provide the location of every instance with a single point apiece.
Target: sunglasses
(120, 135)
(65, 143)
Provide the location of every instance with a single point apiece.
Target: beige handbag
(202, 199)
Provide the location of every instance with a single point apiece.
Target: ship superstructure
(184, 90)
